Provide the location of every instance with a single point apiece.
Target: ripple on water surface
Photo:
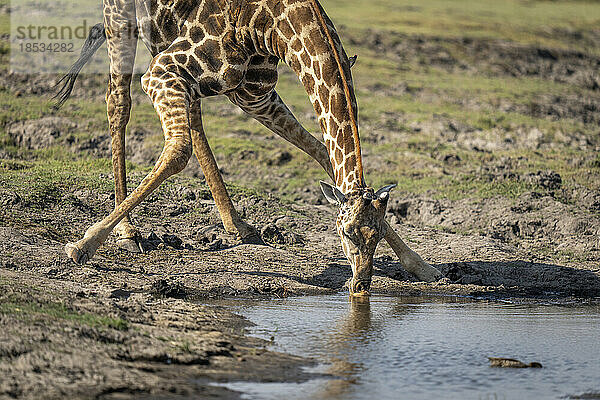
(425, 348)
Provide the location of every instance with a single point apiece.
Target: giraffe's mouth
(360, 288)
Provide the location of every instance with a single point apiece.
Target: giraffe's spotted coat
(204, 48)
(214, 47)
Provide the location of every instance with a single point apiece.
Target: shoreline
(106, 336)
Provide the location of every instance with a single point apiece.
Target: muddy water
(425, 348)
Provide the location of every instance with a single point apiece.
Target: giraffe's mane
(346, 87)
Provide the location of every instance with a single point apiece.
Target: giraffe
(204, 48)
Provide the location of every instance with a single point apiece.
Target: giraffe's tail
(95, 39)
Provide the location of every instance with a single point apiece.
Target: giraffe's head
(361, 225)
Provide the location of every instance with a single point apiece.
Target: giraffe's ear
(332, 194)
(353, 60)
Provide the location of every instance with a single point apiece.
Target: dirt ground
(134, 325)
(127, 325)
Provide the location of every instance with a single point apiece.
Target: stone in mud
(461, 272)
(271, 233)
(546, 179)
(215, 245)
(172, 241)
(212, 238)
(451, 159)
(150, 243)
(164, 288)
(280, 158)
(120, 293)
(399, 208)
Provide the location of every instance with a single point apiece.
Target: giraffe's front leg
(171, 101)
(232, 221)
(411, 261)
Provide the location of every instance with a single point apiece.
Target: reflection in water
(424, 348)
(352, 334)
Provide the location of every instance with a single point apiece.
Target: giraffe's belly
(206, 54)
(158, 25)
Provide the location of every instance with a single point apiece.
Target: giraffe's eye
(347, 232)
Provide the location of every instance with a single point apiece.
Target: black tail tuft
(95, 39)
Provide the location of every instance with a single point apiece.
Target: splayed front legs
(174, 115)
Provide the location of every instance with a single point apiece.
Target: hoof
(429, 273)
(414, 264)
(131, 245)
(75, 254)
(253, 238)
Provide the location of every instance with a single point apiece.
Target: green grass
(526, 22)
(411, 158)
(61, 311)
(44, 182)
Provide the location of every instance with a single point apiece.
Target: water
(429, 348)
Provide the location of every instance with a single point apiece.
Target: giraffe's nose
(360, 288)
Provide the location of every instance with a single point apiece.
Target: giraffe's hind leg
(232, 221)
(121, 42)
(118, 103)
(171, 100)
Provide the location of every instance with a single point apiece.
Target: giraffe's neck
(301, 34)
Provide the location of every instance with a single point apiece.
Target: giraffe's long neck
(301, 34)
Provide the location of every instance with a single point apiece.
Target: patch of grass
(13, 108)
(48, 180)
(465, 186)
(61, 311)
(185, 346)
(527, 22)
(595, 163)
(13, 165)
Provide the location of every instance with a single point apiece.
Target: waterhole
(429, 348)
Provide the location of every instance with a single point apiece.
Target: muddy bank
(492, 57)
(133, 325)
(512, 247)
(71, 339)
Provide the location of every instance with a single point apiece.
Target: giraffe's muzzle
(360, 287)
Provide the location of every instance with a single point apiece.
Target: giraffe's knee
(177, 155)
(154, 79)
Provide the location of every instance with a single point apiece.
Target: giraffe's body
(233, 48)
(203, 48)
